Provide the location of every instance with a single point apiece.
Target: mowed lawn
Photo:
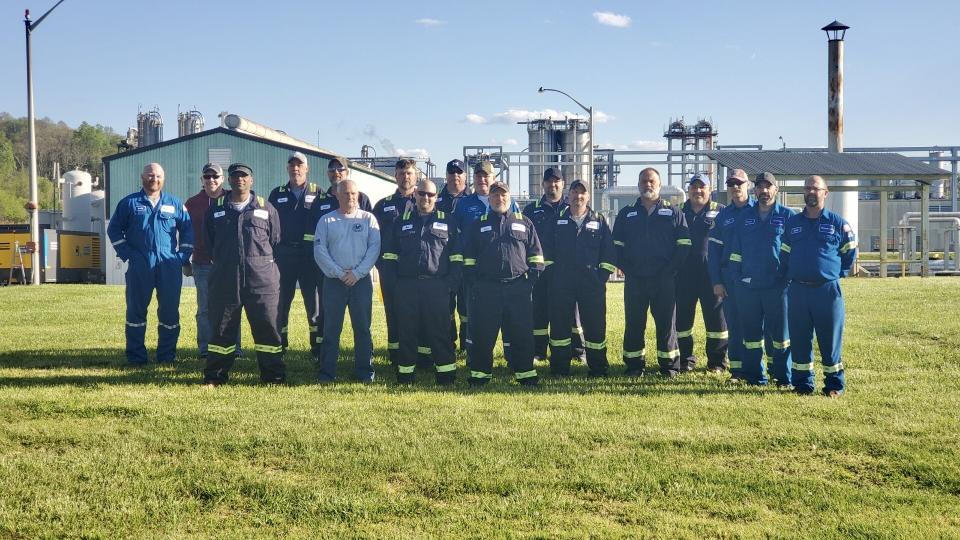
(91, 449)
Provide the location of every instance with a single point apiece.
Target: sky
(430, 77)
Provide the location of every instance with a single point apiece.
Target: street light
(589, 111)
(32, 205)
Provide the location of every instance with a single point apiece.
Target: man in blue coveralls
(151, 231)
(819, 248)
(718, 265)
(761, 286)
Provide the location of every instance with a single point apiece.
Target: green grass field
(91, 449)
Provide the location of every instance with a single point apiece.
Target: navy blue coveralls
(155, 241)
(294, 255)
(387, 210)
(447, 203)
(422, 253)
(502, 257)
(583, 258)
(762, 293)
(718, 265)
(693, 285)
(650, 249)
(467, 211)
(244, 277)
(817, 253)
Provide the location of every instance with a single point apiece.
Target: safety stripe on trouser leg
(313, 328)
(424, 350)
(520, 375)
(403, 370)
(834, 368)
(393, 346)
(319, 339)
(803, 367)
(753, 344)
(136, 325)
(268, 348)
(633, 354)
(560, 342)
(781, 344)
(221, 350)
(480, 375)
(718, 335)
(541, 332)
(684, 333)
(736, 364)
(446, 368)
(169, 326)
(283, 330)
(596, 346)
(668, 354)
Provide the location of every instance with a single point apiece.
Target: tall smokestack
(844, 203)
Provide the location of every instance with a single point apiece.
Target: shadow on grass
(96, 367)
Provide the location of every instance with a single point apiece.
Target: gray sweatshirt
(346, 242)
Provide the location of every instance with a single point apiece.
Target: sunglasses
(211, 176)
(734, 183)
(426, 194)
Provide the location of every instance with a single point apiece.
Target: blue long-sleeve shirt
(755, 254)
(154, 233)
(820, 249)
(721, 240)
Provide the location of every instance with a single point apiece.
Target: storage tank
(189, 122)
(77, 201)
(576, 147)
(149, 128)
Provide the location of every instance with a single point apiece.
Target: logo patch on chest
(439, 226)
(407, 227)
(139, 210)
(796, 230)
(776, 220)
(261, 213)
(664, 212)
(518, 227)
(282, 199)
(729, 221)
(486, 228)
(827, 228)
(357, 227)
(167, 209)
(593, 225)
(632, 214)
(562, 222)
(219, 214)
(750, 222)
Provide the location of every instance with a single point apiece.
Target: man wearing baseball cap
(338, 169)
(453, 191)
(293, 202)
(718, 264)
(211, 188)
(761, 285)
(693, 281)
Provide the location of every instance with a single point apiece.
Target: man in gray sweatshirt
(346, 245)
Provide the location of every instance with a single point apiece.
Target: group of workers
(760, 272)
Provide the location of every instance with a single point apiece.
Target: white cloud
(430, 22)
(474, 119)
(512, 116)
(638, 144)
(510, 142)
(608, 18)
(419, 153)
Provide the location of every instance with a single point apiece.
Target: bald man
(151, 231)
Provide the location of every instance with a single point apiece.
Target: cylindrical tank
(189, 122)
(541, 139)
(938, 190)
(576, 148)
(77, 201)
(149, 128)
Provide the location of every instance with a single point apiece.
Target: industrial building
(264, 149)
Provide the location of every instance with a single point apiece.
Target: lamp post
(32, 204)
(589, 111)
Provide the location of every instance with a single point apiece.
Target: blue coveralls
(817, 253)
(155, 241)
(718, 258)
(762, 293)
(467, 211)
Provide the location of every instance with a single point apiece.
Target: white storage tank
(77, 201)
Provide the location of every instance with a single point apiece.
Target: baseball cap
(500, 185)
(738, 175)
(765, 177)
(551, 173)
(580, 184)
(484, 167)
(212, 167)
(455, 165)
(239, 167)
(337, 162)
(299, 156)
(703, 178)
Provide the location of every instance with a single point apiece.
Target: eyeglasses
(211, 176)
(337, 169)
(426, 194)
(734, 184)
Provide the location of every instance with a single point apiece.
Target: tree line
(81, 148)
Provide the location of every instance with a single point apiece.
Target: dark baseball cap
(484, 167)
(239, 167)
(703, 178)
(579, 184)
(212, 167)
(499, 185)
(551, 173)
(765, 177)
(455, 165)
(737, 176)
(337, 162)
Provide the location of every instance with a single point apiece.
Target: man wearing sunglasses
(721, 272)
(211, 182)
(421, 254)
